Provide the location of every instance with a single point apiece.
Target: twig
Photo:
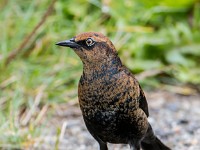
(41, 114)
(15, 52)
(154, 72)
(34, 107)
(148, 73)
(62, 133)
(7, 82)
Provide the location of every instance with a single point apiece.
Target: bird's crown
(94, 36)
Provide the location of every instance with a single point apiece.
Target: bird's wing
(142, 99)
(143, 102)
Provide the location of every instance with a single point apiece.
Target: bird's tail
(151, 142)
(154, 145)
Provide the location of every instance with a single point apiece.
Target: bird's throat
(101, 69)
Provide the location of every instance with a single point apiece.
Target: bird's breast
(107, 94)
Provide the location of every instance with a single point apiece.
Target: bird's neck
(101, 69)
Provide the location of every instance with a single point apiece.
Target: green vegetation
(161, 36)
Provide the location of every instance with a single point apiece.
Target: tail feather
(155, 145)
(151, 142)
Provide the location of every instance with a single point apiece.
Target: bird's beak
(68, 43)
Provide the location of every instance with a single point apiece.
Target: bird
(112, 102)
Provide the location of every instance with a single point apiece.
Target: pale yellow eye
(90, 42)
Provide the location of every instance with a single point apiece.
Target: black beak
(68, 43)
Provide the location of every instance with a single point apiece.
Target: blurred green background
(158, 40)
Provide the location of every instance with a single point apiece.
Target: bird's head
(91, 47)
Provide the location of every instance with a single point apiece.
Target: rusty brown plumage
(112, 102)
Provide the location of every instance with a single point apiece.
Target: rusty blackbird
(112, 102)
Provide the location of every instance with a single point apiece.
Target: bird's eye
(90, 42)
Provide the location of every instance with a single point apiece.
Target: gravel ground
(174, 118)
